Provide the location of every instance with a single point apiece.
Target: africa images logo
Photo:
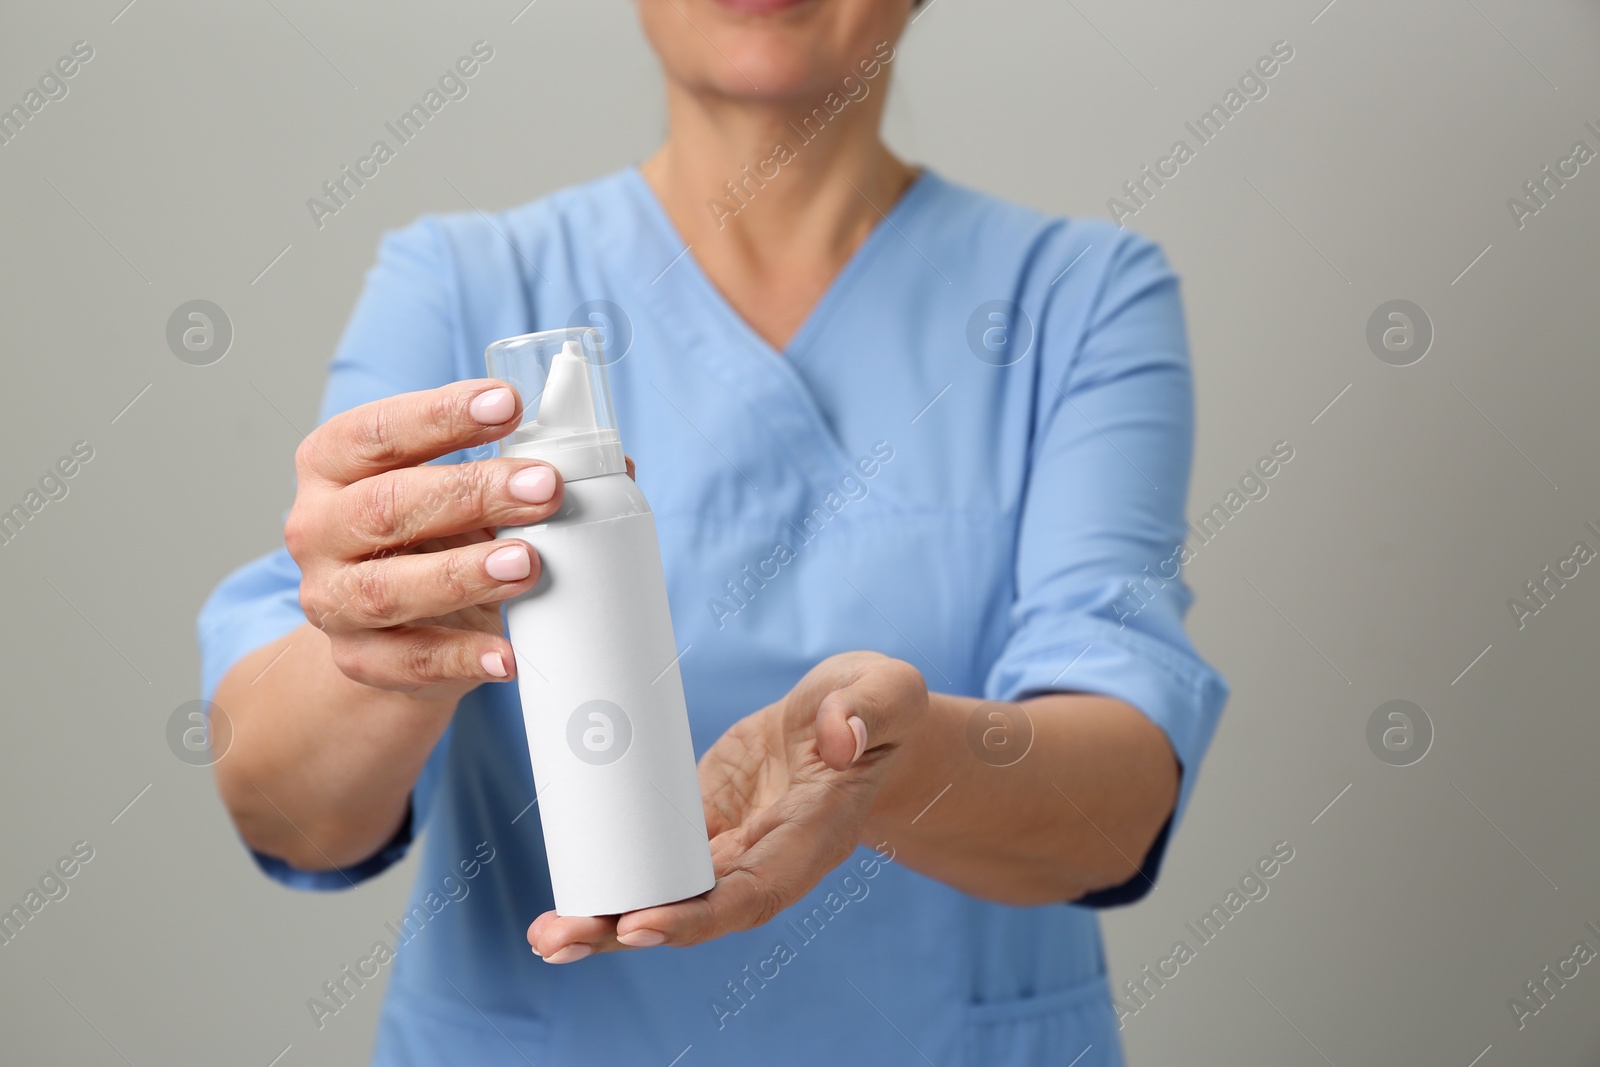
(599, 732)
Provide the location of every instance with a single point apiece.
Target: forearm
(319, 768)
(1077, 813)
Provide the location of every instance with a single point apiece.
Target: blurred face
(769, 50)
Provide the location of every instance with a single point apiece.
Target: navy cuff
(346, 877)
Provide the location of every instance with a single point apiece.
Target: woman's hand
(398, 560)
(328, 727)
(787, 794)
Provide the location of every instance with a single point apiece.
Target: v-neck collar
(704, 326)
(887, 226)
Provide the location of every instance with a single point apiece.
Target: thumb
(870, 713)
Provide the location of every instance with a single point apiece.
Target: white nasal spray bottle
(597, 665)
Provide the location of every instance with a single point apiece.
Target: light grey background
(1378, 568)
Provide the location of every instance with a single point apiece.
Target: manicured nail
(642, 938)
(494, 664)
(859, 728)
(535, 485)
(574, 951)
(493, 406)
(536, 951)
(509, 564)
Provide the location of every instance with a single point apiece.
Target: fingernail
(575, 951)
(509, 564)
(642, 938)
(535, 485)
(493, 406)
(859, 728)
(494, 663)
(536, 951)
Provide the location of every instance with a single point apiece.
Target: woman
(918, 459)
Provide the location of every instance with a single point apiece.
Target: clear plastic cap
(567, 418)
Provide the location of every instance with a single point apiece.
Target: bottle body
(603, 705)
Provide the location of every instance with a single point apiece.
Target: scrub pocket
(1075, 1026)
(422, 1030)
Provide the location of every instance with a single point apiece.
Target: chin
(765, 7)
(783, 66)
(769, 49)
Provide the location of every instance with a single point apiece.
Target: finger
(867, 714)
(566, 938)
(397, 509)
(778, 869)
(471, 537)
(404, 430)
(387, 592)
(721, 798)
(629, 461)
(413, 657)
(741, 900)
(719, 818)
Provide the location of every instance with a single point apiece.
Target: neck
(767, 182)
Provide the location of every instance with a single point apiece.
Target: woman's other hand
(787, 794)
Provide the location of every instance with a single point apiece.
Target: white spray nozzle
(569, 421)
(568, 400)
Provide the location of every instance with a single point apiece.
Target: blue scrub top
(973, 456)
